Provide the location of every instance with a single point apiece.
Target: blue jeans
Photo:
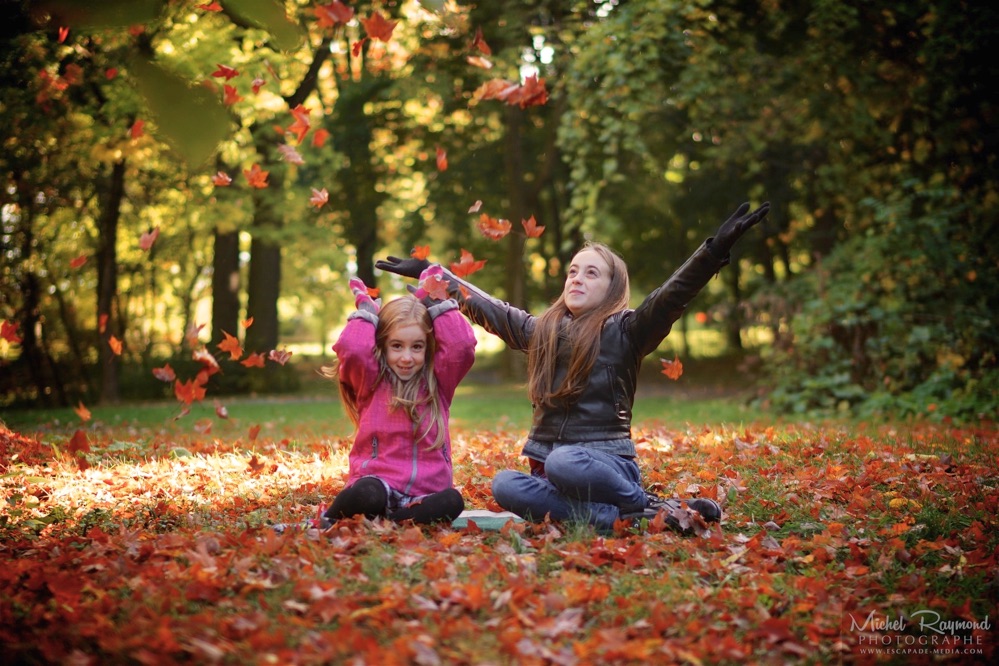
(578, 484)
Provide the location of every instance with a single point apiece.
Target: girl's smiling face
(586, 282)
(406, 350)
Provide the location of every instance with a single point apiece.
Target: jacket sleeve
(455, 350)
(651, 321)
(355, 348)
(510, 324)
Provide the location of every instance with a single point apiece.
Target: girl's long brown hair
(405, 394)
(580, 335)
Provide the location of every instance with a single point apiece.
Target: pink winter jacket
(385, 444)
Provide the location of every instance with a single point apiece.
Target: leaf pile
(161, 550)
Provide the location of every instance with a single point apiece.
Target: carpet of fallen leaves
(839, 544)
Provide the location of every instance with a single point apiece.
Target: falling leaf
(290, 155)
(115, 345)
(221, 411)
(230, 344)
(493, 228)
(136, 130)
(78, 443)
(257, 84)
(256, 176)
(147, 239)
(475, 207)
(441, 159)
(255, 466)
(111, 73)
(207, 361)
(254, 360)
(164, 374)
(279, 356)
(189, 391)
(467, 264)
(531, 93)
(336, 12)
(248, 322)
(253, 432)
(319, 197)
(191, 334)
(355, 48)
(63, 34)
(420, 252)
(79, 261)
(230, 95)
(479, 61)
(210, 7)
(672, 369)
(433, 284)
(319, 138)
(531, 227)
(222, 179)
(301, 125)
(82, 412)
(102, 322)
(8, 331)
(204, 426)
(378, 27)
(479, 44)
(226, 72)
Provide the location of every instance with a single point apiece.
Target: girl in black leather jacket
(584, 354)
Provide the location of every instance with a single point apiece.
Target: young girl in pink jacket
(398, 367)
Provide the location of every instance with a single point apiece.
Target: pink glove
(362, 299)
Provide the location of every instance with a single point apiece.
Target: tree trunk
(107, 283)
(514, 363)
(264, 288)
(225, 285)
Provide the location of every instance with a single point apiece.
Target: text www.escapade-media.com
(883, 635)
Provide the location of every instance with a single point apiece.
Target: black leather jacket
(603, 411)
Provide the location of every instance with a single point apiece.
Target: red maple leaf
(672, 369)
(102, 322)
(467, 264)
(8, 331)
(115, 345)
(222, 179)
(420, 252)
(531, 227)
(493, 228)
(319, 197)
(301, 125)
(82, 412)
(210, 7)
(191, 335)
(479, 44)
(253, 432)
(226, 72)
(63, 34)
(441, 159)
(147, 239)
(136, 130)
(78, 443)
(231, 345)
(164, 374)
(335, 12)
(208, 363)
(319, 138)
(279, 356)
(257, 84)
(78, 261)
(378, 27)
(256, 176)
(189, 391)
(221, 411)
(231, 95)
(248, 322)
(254, 360)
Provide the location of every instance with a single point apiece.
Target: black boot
(442, 507)
(366, 497)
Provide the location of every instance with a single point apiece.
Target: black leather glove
(734, 227)
(407, 267)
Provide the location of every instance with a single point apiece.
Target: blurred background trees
(870, 127)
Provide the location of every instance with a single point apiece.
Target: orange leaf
(479, 44)
(164, 374)
(319, 138)
(248, 322)
(531, 227)
(256, 176)
(436, 287)
(147, 239)
(82, 412)
(254, 431)
(493, 228)
(210, 7)
(231, 95)
(79, 261)
(136, 130)
(102, 323)
(115, 345)
(378, 27)
(330, 15)
(221, 411)
(191, 335)
(479, 61)
(420, 252)
(78, 443)
(257, 84)
(254, 360)
(189, 391)
(467, 264)
(231, 345)
(222, 179)
(672, 369)
(301, 125)
(441, 159)
(279, 356)
(319, 197)
(207, 361)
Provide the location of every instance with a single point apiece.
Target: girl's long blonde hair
(580, 335)
(402, 311)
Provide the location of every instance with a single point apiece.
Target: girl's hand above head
(406, 267)
(362, 299)
(734, 227)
